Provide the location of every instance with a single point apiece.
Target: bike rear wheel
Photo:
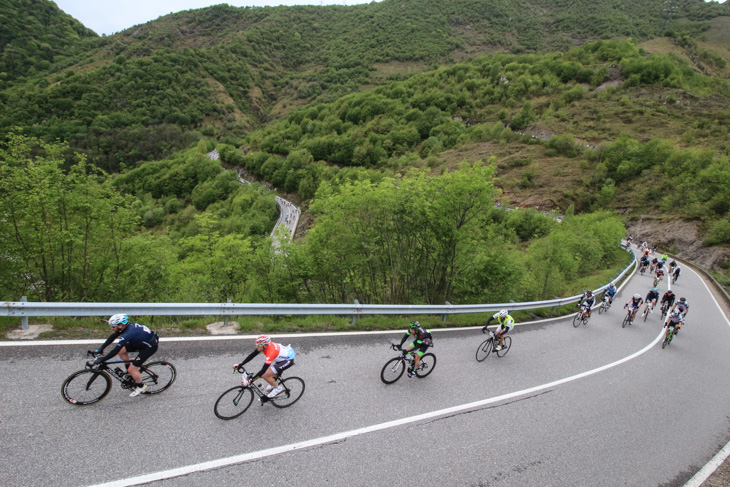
(233, 403)
(428, 362)
(86, 387)
(484, 349)
(157, 376)
(506, 344)
(392, 370)
(293, 390)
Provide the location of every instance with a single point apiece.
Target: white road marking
(247, 457)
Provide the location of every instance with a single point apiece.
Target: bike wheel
(158, 376)
(602, 308)
(293, 390)
(428, 362)
(233, 403)
(646, 313)
(506, 344)
(392, 370)
(484, 349)
(577, 319)
(626, 321)
(585, 319)
(86, 387)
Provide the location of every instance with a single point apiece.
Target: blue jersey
(611, 291)
(137, 337)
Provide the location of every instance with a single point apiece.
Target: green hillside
(397, 126)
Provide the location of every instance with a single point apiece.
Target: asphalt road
(653, 419)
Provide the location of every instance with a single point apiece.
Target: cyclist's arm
(250, 357)
(109, 340)
(403, 340)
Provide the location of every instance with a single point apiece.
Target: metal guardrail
(24, 309)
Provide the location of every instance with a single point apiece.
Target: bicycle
(665, 309)
(647, 311)
(628, 319)
(581, 317)
(394, 368)
(642, 269)
(236, 400)
(605, 304)
(487, 347)
(674, 278)
(657, 280)
(92, 384)
(668, 336)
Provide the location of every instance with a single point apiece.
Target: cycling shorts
(278, 367)
(144, 354)
(420, 350)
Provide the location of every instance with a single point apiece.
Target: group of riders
(133, 337)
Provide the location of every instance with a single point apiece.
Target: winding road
(598, 405)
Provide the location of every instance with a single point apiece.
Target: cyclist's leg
(142, 356)
(417, 354)
(270, 376)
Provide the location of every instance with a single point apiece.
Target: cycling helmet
(263, 340)
(414, 325)
(637, 296)
(589, 293)
(612, 284)
(118, 319)
(682, 300)
(503, 313)
(655, 288)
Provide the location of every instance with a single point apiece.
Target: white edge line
(714, 463)
(247, 457)
(30, 343)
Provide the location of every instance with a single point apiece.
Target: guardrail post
(24, 319)
(354, 317)
(225, 317)
(443, 317)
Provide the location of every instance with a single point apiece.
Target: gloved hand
(235, 366)
(484, 329)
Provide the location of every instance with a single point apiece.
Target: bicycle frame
(263, 398)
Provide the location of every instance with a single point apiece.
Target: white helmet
(503, 313)
(637, 296)
(118, 319)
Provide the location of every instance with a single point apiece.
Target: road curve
(648, 417)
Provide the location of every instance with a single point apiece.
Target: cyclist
(682, 306)
(587, 301)
(422, 339)
(674, 319)
(672, 265)
(133, 337)
(635, 302)
(676, 273)
(653, 264)
(506, 323)
(659, 275)
(643, 263)
(668, 299)
(611, 292)
(277, 359)
(651, 298)
(664, 257)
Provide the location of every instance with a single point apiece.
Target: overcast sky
(110, 16)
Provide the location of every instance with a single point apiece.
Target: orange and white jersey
(276, 352)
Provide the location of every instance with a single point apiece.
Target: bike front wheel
(602, 308)
(392, 370)
(293, 390)
(428, 362)
(158, 376)
(506, 344)
(577, 319)
(86, 387)
(233, 403)
(485, 348)
(626, 321)
(646, 313)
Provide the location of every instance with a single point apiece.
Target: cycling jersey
(674, 319)
(660, 272)
(635, 303)
(134, 338)
(589, 301)
(668, 298)
(682, 307)
(652, 296)
(611, 291)
(422, 337)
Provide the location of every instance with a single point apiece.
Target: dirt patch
(679, 237)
